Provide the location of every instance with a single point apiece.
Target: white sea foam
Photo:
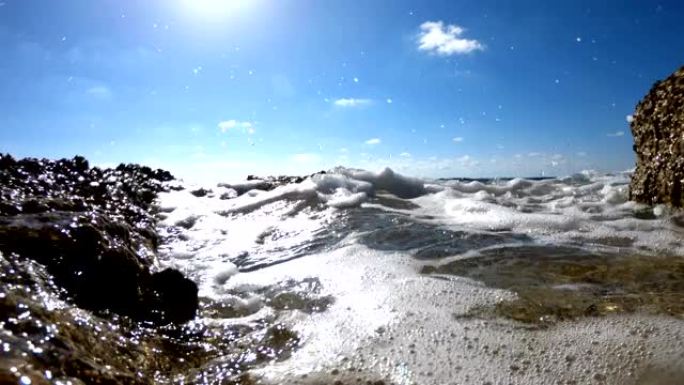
(345, 229)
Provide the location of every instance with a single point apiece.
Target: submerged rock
(555, 283)
(658, 130)
(93, 231)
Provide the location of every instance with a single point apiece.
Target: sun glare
(216, 9)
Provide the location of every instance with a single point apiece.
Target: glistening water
(356, 277)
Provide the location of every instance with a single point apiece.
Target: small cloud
(467, 161)
(616, 134)
(389, 101)
(581, 154)
(405, 155)
(228, 125)
(373, 141)
(352, 102)
(629, 118)
(533, 154)
(445, 40)
(457, 139)
(99, 92)
(343, 150)
(557, 157)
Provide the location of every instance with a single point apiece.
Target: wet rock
(50, 342)
(240, 189)
(658, 130)
(270, 182)
(175, 296)
(93, 231)
(201, 192)
(262, 183)
(556, 283)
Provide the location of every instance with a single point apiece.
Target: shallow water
(355, 277)
(388, 278)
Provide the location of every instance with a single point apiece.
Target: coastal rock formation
(658, 130)
(84, 301)
(94, 232)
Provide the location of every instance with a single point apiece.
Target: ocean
(392, 278)
(358, 277)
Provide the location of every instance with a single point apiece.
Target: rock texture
(75, 237)
(94, 232)
(658, 130)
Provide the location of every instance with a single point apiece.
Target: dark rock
(201, 192)
(93, 231)
(47, 341)
(658, 130)
(263, 183)
(176, 296)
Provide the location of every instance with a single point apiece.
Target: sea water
(390, 278)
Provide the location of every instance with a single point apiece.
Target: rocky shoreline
(94, 232)
(83, 299)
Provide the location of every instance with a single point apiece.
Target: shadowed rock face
(658, 130)
(93, 231)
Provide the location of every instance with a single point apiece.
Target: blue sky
(222, 89)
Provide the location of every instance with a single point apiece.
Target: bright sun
(216, 8)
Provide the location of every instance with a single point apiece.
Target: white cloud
(457, 139)
(467, 161)
(227, 125)
(99, 92)
(629, 118)
(405, 155)
(352, 102)
(446, 40)
(616, 134)
(373, 141)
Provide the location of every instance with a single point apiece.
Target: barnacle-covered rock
(658, 130)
